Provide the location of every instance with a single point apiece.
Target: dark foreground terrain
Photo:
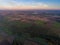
(30, 27)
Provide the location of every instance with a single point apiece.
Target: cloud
(14, 4)
(32, 5)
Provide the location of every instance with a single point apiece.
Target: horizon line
(29, 9)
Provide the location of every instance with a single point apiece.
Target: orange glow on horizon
(27, 7)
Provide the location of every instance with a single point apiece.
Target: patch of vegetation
(38, 30)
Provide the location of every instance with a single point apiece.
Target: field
(30, 27)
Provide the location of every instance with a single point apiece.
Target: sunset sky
(29, 4)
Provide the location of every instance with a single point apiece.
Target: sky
(29, 4)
